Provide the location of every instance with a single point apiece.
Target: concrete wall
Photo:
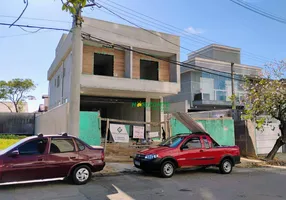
(222, 130)
(182, 106)
(60, 94)
(266, 138)
(130, 36)
(125, 111)
(52, 122)
(4, 108)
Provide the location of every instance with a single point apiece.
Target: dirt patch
(120, 152)
(276, 162)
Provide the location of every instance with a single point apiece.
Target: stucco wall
(222, 130)
(52, 122)
(59, 95)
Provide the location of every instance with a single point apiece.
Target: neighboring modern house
(4, 107)
(202, 91)
(112, 79)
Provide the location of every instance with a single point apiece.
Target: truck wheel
(167, 169)
(81, 175)
(226, 166)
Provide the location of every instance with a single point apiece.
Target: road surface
(242, 184)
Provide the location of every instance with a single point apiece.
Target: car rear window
(80, 145)
(59, 145)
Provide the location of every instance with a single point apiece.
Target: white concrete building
(112, 78)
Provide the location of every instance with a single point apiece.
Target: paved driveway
(242, 184)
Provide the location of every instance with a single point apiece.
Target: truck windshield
(172, 141)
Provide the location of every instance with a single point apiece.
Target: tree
(16, 91)
(266, 95)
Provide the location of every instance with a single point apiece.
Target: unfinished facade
(113, 79)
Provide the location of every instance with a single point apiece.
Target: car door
(29, 164)
(208, 153)
(190, 152)
(61, 157)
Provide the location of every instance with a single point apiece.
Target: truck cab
(186, 151)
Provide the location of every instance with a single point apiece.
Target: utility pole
(74, 101)
(232, 88)
(76, 70)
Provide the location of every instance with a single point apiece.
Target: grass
(4, 143)
(7, 140)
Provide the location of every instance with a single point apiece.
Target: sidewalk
(117, 167)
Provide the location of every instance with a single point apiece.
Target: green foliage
(71, 6)
(267, 95)
(16, 91)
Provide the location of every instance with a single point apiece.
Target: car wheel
(167, 169)
(81, 175)
(226, 166)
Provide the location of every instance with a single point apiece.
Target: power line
(7, 36)
(99, 28)
(37, 27)
(202, 39)
(186, 65)
(259, 11)
(37, 19)
(188, 50)
(27, 3)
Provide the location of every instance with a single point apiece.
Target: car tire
(167, 169)
(226, 166)
(81, 175)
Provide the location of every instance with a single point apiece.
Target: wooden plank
(131, 122)
(106, 135)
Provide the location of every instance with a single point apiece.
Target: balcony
(126, 87)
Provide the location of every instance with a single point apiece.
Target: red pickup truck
(187, 150)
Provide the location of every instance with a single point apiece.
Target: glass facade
(219, 87)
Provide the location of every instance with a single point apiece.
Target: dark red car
(51, 157)
(185, 151)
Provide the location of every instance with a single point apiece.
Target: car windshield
(172, 141)
(14, 145)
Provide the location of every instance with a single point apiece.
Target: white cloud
(195, 31)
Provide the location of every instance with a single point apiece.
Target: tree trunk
(16, 108)
(279, 142)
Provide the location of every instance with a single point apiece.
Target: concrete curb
(262, 163)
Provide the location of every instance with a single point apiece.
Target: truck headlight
(151, 156)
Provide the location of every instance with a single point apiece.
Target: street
(243, 183)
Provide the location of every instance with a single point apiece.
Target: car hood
(154, 150)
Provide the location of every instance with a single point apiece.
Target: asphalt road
(242, 184)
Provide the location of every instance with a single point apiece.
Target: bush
(7, 140)
(11, 136)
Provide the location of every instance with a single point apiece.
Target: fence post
(106, 134)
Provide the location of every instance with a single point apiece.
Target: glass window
(206, 143)
(35, 147)
(220, 96)
(80, 145)
(194, 143)
(59, 145)
(172, 141)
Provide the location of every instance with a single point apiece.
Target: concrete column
(148, 114)
(74, 97)
(128, 63)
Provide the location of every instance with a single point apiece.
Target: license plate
(137, 163)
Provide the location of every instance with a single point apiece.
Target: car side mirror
(15, 153)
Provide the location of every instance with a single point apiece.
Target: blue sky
(27, 55)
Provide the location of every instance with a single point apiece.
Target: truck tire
(226, 166)
(81, 175)
(167, 169)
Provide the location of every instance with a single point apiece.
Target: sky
(29, 55)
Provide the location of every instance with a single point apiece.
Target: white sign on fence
(153, 134)
(138, 132)
(119, 133)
